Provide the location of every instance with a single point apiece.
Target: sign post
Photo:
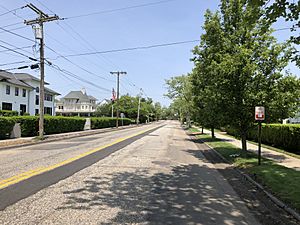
(259, 117)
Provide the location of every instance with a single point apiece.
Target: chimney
(83, 91)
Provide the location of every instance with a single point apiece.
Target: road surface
(157, 176)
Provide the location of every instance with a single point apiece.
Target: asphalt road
(156, 177)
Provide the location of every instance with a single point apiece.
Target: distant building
(76, 103)
(20, 92)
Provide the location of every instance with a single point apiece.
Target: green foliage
(8, 113)
(6, 124)
(285, 136)
(129, 106)
(29, 125)
(60, 124)
(52, 124)
(106, 122)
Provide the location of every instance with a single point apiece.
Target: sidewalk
(280, 158)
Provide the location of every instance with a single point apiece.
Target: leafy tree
(238, 65)
(179, 90)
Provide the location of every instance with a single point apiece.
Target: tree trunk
(244, 141)
(212, 132)
(202, 132)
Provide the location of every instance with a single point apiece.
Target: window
(6, 106)
(48, 110)
(24, 93)
(61, 107)
(36, 111)
(48, 97)
(7, 89)
(37, 99)
(37, 89)
(16, 91)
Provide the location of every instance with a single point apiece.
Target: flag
(113, 98)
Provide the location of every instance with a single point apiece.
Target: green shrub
(105, 122)
(285, 136)
(6, 126)
(29, 125)
(8, 113)
(52, 124)
(60, 124)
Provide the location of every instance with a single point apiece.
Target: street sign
(259, 113)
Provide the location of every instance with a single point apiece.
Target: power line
(17, 48)
(18, 52)
(132, 49)
(10, 11)
(77, 77)
(118, 9)
(12, 63)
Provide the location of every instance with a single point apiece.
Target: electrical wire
(118, 9)
(132, 49)
(77, 77)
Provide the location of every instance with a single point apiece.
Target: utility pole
(118, 73)
(139, 107)
(39, 34)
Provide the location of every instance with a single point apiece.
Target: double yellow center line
(23, 176)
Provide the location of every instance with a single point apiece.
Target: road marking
(23, 176)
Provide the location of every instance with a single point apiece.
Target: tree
(289, 10)
(180, 91)
(238, 65)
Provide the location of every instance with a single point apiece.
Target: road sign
(259, 113)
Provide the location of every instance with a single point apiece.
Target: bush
(8, 113)
(52, 124)
(29, 125)
(6, 126)
(60, 124)
(105, 122)
(285, 136)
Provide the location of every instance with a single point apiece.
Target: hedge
(285, 136)
(8, 113)
(105, 122)
(6, 126)
(52, 124)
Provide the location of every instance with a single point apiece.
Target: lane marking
(23, 176)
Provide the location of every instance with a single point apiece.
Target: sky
(120, 25)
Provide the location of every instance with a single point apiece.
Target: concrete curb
(65, 136)
(259, 186)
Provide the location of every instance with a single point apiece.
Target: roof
(82, 97)
(51, 91)
(20, 80)
(12, 79)
(26, 76)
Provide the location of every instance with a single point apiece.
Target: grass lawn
(283, 182)
(262, 145)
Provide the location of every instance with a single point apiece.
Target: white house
(20, 92)
(76, 103)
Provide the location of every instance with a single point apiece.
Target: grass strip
(255, 143)
(283, 182)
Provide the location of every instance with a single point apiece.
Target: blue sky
(173, 21)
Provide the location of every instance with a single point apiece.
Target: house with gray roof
(76, 103)
(20, 92)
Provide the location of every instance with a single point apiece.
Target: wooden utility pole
(118, 73)
(40, 35)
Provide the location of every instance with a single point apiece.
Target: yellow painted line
(23, 176)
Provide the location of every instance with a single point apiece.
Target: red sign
(259, 113)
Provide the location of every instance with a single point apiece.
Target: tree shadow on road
(183, 196)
